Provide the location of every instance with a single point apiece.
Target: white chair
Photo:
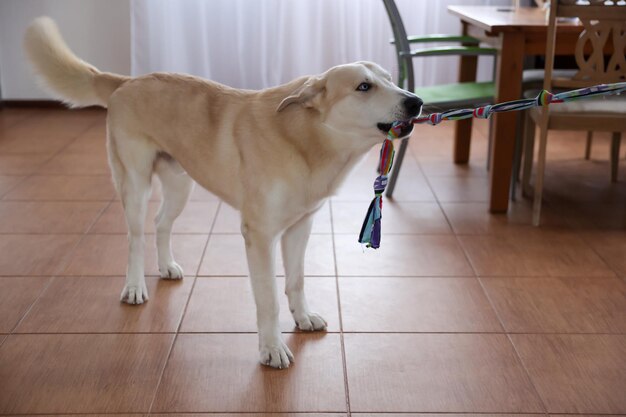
(604, 28)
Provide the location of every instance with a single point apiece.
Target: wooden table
(516, 33)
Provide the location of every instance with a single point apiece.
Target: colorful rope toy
(371, 231)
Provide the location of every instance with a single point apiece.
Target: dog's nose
(413, 105)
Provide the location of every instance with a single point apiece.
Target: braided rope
(544, 98)
(371, 230)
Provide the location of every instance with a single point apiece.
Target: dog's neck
(332, 157)
(329, 154)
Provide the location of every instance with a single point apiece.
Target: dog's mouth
(405, 131)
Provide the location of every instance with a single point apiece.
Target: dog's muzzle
(412, 105)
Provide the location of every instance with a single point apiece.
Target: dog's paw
(310, 322)
(276, 355)
(134, 294)
(171, 270)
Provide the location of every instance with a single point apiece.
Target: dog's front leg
(294, 242)
(261, 253)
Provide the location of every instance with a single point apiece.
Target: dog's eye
(364, 87)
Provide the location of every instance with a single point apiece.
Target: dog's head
(357, 99)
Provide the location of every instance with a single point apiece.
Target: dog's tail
(69, 78)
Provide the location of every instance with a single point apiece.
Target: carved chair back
(604, 23)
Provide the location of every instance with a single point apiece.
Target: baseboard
(33, 103)
(46, 104)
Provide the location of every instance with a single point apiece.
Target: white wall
(98, 31)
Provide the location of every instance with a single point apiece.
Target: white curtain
(260, 43)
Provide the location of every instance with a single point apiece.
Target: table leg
(508, 87)
(463, 128)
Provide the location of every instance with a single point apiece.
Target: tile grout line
(184, 312)
(466, 256)
(45, 161)
(43, 200)
(30, 307)
(206, 245)
(602, 258)
(456, 238)
(508, 337)
(86, 233)
(15, 123)
(334, 332)
(94, 234)
(570, 225)
(517, 355)
(495, 311)
(115, 413)
(165, 362)
(71, 250)
(313, 413)
(12, 187)
(341, 333)
(408, 277)
(72, 174)
(52, 278)
(527, 372)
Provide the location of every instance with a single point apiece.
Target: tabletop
(495, 19)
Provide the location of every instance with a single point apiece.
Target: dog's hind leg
(294, 242)
(176, 186)
(132, 162)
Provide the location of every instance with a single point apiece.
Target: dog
(275, 155)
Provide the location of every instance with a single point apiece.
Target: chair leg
(615, 144)
(541, 166)
(529, 153)
(462, 141)
(588, 144)
(395, 171)
(489, 142)
(517, 157)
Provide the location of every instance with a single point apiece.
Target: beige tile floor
(459, 312)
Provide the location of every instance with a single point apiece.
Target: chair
(443, 97)
(533, 79)
(602, 21)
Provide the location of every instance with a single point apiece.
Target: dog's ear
(307, 94)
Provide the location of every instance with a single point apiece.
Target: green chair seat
(449, 95)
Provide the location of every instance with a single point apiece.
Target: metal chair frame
(406, 76)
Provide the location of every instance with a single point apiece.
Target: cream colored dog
(275, 155)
